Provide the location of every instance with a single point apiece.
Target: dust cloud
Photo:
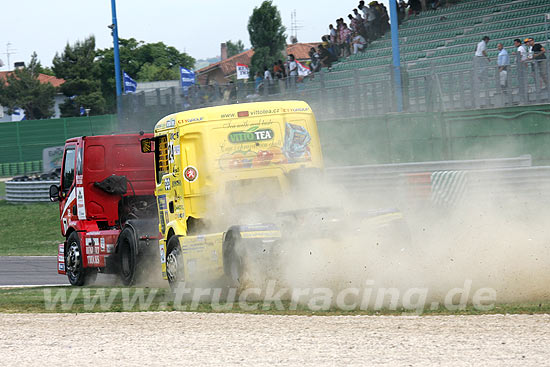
(492, 238)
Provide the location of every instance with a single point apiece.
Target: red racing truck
(107, 208)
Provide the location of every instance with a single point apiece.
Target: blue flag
(82, 111)
(187, 78)
(130, 85)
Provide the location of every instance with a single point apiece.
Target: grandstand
(443, 41)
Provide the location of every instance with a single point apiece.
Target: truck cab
(106, 203)
(214, 166)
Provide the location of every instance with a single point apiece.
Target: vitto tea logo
(250, 135)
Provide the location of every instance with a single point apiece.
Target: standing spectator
(360, 23)
(539, 58)
(292, 70)
(521, 59)
(357, 15)
(258, 82)
(521, 50)
(333, 34)
(401, 11)
(268, 79)
(482, 60)
(345, 40)
(353, 23)
(359, 43)
(503, 62)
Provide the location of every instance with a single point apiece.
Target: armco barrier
(28, 191)
(394, 182)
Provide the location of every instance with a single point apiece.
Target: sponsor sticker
(170, 123)
(167, 184)
(162, 256)
(61, 267)
(81, 208)
(110, 248)
(190, 174)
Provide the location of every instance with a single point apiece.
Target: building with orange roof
(43, 78)
(224, 70)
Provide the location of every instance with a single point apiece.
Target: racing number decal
(171, 152)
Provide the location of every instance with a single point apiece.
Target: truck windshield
(68, 169)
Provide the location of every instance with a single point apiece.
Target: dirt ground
(198, 339)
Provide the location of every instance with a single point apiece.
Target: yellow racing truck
(220, 166)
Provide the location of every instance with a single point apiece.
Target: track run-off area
(198, 339)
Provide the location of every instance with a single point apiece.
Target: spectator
(360, 23)
(326, 57)
(372, 21)
(503, 62)
(267, 76)
(258, 82)
(359, 43)
(521, 50)
(415, 7)
(333, 34)
(434, 4)
(353, 23)
(357, 15)
(401, 11)
(281, 76)
(268, 79)
(325, 41)
(481, 59)
(315, 60)
(539, 57)
(345, 40)
(292, 70)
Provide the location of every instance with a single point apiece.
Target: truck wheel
(127, 256)
(76, 272)
(174, 263)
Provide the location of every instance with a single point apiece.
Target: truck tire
(233, 263)
(174, 263)
(77, 274)
(127, 253)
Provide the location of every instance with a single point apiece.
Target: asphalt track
(30, 270)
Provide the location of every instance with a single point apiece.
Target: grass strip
(124, 299)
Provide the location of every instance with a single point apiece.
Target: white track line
(35, 286)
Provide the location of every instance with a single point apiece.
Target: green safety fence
(24, 141)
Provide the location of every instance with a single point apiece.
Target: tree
(234, 48)
(23, 90)
(142, 61)
(267, 36)
(82, 87)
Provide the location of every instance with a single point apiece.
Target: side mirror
(146, 145)
(54, 193)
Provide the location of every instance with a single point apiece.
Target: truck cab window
(68, 169)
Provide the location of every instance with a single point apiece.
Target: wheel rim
(73, 259)
(172, 265)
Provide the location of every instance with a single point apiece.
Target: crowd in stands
(365, 24)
